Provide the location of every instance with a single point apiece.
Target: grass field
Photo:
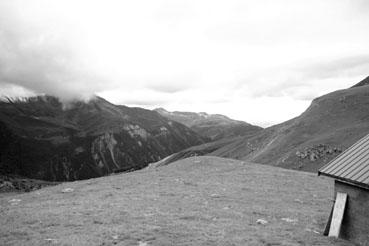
(196, 201)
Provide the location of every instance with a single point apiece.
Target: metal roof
(352, 165)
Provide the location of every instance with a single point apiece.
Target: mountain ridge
(211, 126)
(332, 123)
(44, 139)
(363, 82)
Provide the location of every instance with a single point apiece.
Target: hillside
(43, 139)
(331, 124)
(211, 126)
(363, 82)
(197, 201)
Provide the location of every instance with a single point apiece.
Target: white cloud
(236, 57)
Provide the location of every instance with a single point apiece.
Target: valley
(184, 123)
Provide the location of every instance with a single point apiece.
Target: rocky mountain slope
(211, 126)
(43, 139)
(197, 201)
(331, 124)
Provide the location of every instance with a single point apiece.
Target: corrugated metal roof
(352, 165)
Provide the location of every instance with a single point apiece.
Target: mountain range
(331, 124)
(42, 138)
(211, 126)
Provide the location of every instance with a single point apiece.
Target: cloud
(140, 97)
(360, 6)
(172, 84)
(42, 61)
(14, 91)
(204, 55)
(345, 66)
(306, 80)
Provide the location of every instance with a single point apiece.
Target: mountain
(43, 139)
(363, 82)
(331, 124)
(211, 126)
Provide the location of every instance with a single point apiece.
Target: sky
(258, 61)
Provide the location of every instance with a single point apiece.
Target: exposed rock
(317, 152)
(289, 220)
(262, 221)
(298, 201)
(14, 183)
(136, 131)
(103, 148)
(67, 190)
(6, 186)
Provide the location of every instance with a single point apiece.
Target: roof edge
(348, 181)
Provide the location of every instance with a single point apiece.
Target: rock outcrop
(320, 151)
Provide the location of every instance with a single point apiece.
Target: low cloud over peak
(214, 56)
(41, 61)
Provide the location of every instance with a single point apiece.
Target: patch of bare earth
(196, 201)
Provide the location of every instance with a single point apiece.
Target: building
(351, 173)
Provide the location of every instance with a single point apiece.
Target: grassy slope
(196, 201)
(334, 121)
(337, 119)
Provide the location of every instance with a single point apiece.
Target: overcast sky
(258, 61)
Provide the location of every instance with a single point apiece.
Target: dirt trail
(197, 201)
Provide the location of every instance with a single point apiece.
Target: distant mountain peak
(163, 110)
(211, 126)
